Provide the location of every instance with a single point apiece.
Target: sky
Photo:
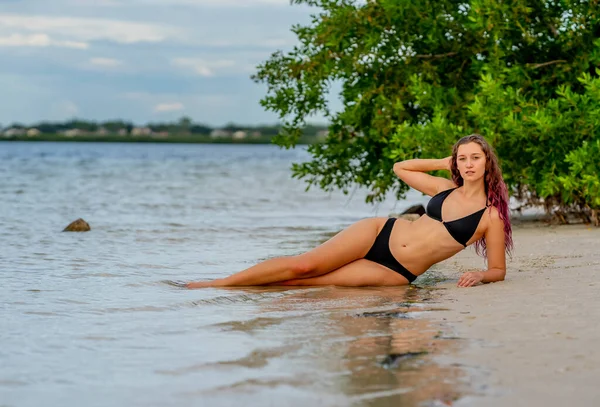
(140, 60)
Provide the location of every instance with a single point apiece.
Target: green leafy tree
(114, 126)
(82, 125)
(200, 129)
(184, 124)
(416, 76)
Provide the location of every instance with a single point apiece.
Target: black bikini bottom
(380, 252)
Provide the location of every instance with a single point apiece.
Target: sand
(533, 339)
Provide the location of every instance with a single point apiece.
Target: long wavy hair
(495, 188)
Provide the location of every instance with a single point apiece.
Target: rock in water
(411, 214)
(78, 226)
(415, 209)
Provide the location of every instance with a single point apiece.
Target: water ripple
(84, 315)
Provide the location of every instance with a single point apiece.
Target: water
(91, 318)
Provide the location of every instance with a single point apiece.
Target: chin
(471, 177)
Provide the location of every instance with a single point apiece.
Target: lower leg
(347, 246)
(269, 271)
(359, 273)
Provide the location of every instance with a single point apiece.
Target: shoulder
(494, 213)
(445, 185)
(494, 219)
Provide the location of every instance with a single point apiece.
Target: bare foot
(198, 284)
(203, 284)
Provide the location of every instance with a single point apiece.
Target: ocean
(98, 318)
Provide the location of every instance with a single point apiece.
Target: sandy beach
(531, 340)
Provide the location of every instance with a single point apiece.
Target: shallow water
(94, 317)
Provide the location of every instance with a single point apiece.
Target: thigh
(350, 244)
(359, 273)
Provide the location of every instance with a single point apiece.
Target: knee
(301, 266)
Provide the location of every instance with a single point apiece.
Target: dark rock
(385, 314)
(78, 226)
(394, 360)
(415, 209)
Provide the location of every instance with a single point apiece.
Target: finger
(464, 280)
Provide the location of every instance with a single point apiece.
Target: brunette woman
(472, 208)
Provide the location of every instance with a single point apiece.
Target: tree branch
(536, 66)
(432, 56)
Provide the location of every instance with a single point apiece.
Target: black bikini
(380, 252)
(460, 229)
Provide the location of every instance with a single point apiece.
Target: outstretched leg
(359, 273)
(349, 245)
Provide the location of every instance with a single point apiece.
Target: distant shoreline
(190, 139)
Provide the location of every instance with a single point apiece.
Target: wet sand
(335, 346)
(533, 339)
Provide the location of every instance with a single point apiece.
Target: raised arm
(413, 172)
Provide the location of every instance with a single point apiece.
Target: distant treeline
(182, 130)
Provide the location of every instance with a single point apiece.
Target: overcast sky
(139, 60)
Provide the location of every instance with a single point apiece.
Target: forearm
(422, 164)
(493, 275)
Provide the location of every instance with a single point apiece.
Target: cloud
(105, 62)
(38, 40)
(168, 107)
(204, 67)
(193, 101)
(70, 108)
(87, 29)
(145, 60)
(65, 108)
(197, 3)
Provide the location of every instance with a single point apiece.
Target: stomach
(419, 244)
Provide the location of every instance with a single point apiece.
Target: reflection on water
(99, 319)
(346, 346)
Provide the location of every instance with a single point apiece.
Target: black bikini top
(460, 229)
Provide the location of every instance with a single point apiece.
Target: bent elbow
(397, 168)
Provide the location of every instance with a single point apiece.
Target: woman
(472, 208)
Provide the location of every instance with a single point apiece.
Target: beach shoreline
(531, 339)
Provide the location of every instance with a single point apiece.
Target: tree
(82, 125)
(416, 76)
(202, 129)
(114, 126)
(184, 124)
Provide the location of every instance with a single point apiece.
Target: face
(471, 161)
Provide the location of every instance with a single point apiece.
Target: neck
(473, 189)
